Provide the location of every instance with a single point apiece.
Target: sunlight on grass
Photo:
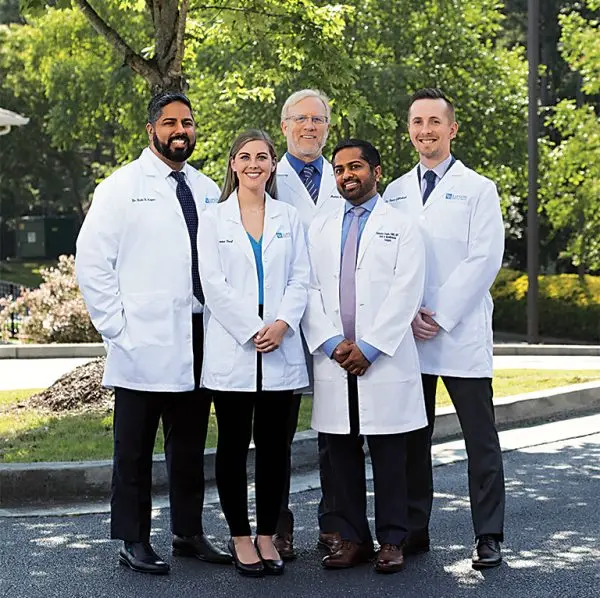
(28, 435)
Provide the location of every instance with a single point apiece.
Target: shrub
(569, 307)
(55, 312)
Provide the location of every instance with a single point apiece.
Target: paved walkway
(551, 549)
(41, 373)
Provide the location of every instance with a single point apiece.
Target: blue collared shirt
(369, 351)
(298, 165)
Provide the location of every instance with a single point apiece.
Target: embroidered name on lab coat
(455, 197)
(141, 199)
(281, 235)
(399, 198)
(387, 237)
(225, 240)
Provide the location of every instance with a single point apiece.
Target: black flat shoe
(140, 557)
(200, 547)
(487, 553)
(272, 566)
(249, 570)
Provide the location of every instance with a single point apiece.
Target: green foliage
(55, 312)
(569, 306)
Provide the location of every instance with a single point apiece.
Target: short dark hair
(368, 152)
(432, 93)
(162, 99)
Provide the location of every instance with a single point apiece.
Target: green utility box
(45, 236)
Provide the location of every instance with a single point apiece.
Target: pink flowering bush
(54, 312)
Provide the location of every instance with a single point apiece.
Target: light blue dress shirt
(328, 347)
(440, 170)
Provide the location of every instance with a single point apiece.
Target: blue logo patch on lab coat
(211, 199)
(454, 197)
(283, 235)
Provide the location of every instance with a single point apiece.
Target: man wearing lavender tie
(368, 271)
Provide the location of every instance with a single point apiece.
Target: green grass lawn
(27, 435)
(25, 273)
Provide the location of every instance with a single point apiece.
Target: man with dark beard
(137, 268)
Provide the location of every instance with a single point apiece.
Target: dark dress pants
(241, 416)
(348, 515)
(472, 399)
(185, 421)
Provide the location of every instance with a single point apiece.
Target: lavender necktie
(348, 276)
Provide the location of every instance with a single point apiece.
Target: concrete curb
(46, 483)
(83, 350)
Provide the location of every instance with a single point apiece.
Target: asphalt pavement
(552, 543)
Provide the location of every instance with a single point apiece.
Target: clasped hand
(270, 337)
(424, 327)
(351, 358)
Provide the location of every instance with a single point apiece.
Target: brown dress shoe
(284, 544)
(330, 541)
(390, 559)
(417, 542)
(349, 554)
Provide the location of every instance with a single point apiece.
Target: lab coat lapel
(333, 231)
(235, 227)
(448, 182)
(287, 176)
(159, 183)
(375, 221)
(328, 185)
(272, 221)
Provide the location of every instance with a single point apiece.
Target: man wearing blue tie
(459, 214)
(368, 270)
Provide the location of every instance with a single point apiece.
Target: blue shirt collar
(368, 205)
(298, 164)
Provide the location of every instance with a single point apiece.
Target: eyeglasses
(301, 119)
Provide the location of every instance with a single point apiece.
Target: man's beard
(174, 155)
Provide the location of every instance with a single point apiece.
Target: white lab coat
(134, 268)
(462, 227)
(230, 284)
(291, 189)
(390, 273)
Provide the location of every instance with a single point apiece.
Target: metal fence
(10, 289)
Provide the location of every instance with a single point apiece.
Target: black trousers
(472, 399)
(185, 421)
(348, 514)
(263, 415)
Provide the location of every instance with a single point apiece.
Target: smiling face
(173, 136)
(431, 127)
(253, 164)
(356, 179)
(305, 140)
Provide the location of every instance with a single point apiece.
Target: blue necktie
(306, 176)
(429, 177)
(188, 206)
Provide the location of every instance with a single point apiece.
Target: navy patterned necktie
(306, 176)
(429, 177)
(188, 206)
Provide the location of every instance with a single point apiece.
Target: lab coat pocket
(293, 353)
(150, 318)
(219, 349)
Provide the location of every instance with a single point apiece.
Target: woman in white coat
(255, 273)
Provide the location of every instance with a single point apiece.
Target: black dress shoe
(272, 566)
(140, 557)
(487, 552)
(417, 542)
(249, 570)
(200, 547)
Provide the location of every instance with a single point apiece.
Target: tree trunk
(163, 72)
